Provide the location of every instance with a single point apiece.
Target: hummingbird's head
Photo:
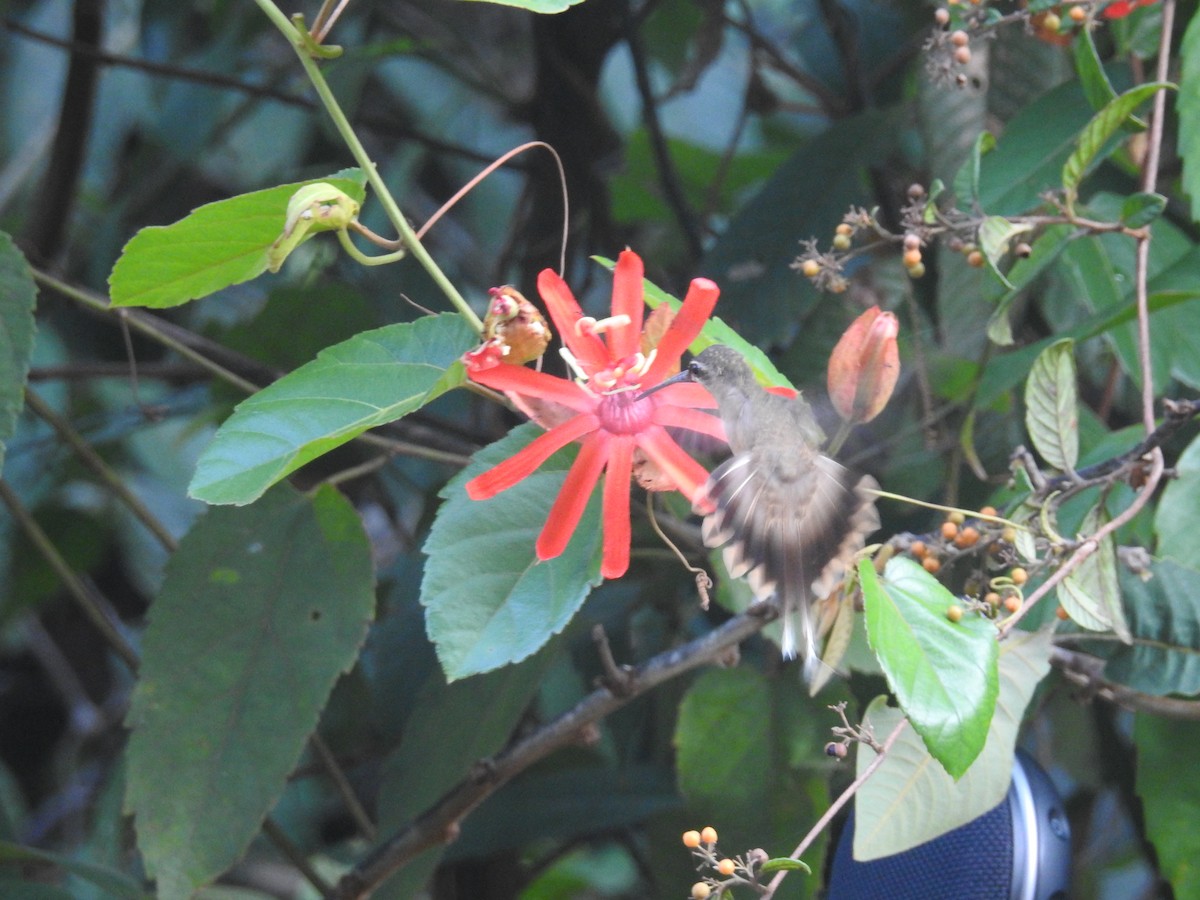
(719, 368)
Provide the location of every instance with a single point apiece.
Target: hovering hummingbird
(788, 519)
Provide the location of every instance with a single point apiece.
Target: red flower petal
(532, 383)
(574, 496)
(565, 311)
(616, 507)
(686, 393)
(625, 340)
(525, 461)
(692, 420)
(697, 307)
(688, 474)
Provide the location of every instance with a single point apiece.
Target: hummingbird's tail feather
(791, 534)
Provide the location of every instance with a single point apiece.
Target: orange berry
(967, 537)
(1009, 534)
(691, 839)
(918, 549)
(942, 16)
(975, 259)
(810, 268)
(845, 229)
(701, 891)
(708, 834)
(912, 258)
(1018, 575)
(962, 55)
(949, 530)
(726, 867)
(931, 564)
(1060, 612)
(1012, 603)
(991, 598)
(1077, 14)
(960, 38)
(954, 613)
(988, 511)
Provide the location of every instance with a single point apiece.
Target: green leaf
(18, 296)
(1047, 248)
(721, 736)
(966, 182)
(1171, 803)
(908, 800)
(943, 673)
(371, 379)
(1188, 107)
(217, 245)
(1092, 77)
(995, 235)
(261, 609)
(488, 600)
(785, 864)
(715, 331)
(1164, 621)
(1091, 142)
(1051, 407)
(113, 882)
(1091, 594)
(1142, 208)
(1177, 519)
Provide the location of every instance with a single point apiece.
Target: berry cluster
(727, 872)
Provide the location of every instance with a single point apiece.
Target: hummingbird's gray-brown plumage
(788, 519)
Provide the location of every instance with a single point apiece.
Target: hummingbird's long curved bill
(685, 375)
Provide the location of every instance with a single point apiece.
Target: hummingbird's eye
(696, 368)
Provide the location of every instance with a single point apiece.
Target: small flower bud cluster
(996, 583)
(726, 872)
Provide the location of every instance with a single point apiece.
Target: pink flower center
(621, 413)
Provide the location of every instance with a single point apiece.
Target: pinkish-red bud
(864, 366)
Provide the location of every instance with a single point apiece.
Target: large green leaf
(217, 245)
(18, 295)
(1171, 798)
(1090, 145)
(943, 673)
(1051, 405)
(909, 800)
(260, 611)
(451, 728)
(374, 378)
(1177, 519)
(1188, 107)
(489, 601)
(1164, 620)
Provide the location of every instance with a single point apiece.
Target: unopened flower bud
(864, 366)
(314, 207)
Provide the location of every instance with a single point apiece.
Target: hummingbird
(787, 518)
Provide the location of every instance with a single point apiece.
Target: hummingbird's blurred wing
(791, 534)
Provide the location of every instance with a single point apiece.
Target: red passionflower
(606, 415)
(1121, 8)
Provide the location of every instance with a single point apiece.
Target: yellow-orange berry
(726, 867)
(691, 839)
(1012, 603)
(841, 242)
(917, 271)
(1051, 22)
(844, 228)
(962, 55)
(701, 891)
(959, 38)
(949, 530)
(988, 511)
(956, 517)
(975, 259)
(912, 257)
(1009, 534)
(991, 598)
(942, 16)
(708, 834)
(1018, 575)
(931, 564)
(1060, 612)
(954, 613)
(810, 268)
(918, 549)
(968, 537)
(1077, 14)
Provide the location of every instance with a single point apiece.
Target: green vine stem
(391, 208)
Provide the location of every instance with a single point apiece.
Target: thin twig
(1085, 671)
(837, 804)
(342, 784)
